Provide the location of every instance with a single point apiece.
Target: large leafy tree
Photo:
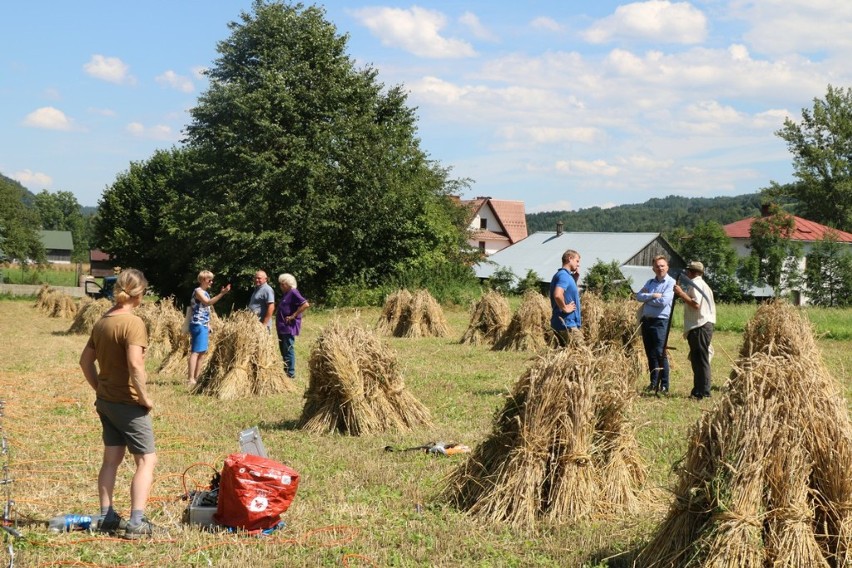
(300, 162)
(60, 211)
(19, 239)
(607, 280)
(143, 220)
(709, 244)
(774, 256)
(828, 273)
(821, 144)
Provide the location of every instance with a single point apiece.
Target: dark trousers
(699, 356)
(654, 339)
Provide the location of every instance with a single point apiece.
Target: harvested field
(357, 505)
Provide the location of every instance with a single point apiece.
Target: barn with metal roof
(542, 253)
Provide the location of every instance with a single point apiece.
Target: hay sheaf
(64, 306)
(355, 386)
(765, 481)
(561, 449)
(160, 318)
(175, 363)
(422, 316)
(529, 329)
(246, 361)
(489, 318)
(88, 315)
(392, 310)
(613, 324)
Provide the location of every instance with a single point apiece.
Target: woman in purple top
(288, 321)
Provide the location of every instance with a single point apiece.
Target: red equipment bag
(254, 492)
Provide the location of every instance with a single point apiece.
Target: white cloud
(586, 168)
(111, 69)
(478, 30)
(33, 180)
(157, 132)
(49, 118)
(174, 81)
(198, 72)
(656, 20)
(546, 24)
(415, 30)
(561, 205)
(551, 134)
(796, 26)
(102, 111)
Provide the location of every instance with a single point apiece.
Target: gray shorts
(127, 425)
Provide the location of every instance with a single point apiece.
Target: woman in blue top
(199, 326)
(288, 321)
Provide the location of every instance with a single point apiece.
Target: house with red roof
(495, 223)
(806, 232)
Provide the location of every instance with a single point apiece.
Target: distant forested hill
(655, 215)
(27, 196)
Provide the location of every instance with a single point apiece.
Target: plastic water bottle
(68, 523)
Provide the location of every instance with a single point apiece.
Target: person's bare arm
(559, 298)
(270, 307)
(87, 364)
(138, 375)
(303, 307)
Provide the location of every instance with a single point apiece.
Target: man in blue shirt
(565, 298)
(262, 300)
(657, 295)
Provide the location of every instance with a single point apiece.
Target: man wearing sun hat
(699, 319)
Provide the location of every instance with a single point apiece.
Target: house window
(482, 247)
(483, 223)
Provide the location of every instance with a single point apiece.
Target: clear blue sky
(563, 104)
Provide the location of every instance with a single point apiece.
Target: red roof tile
(804, 230)
(485, 235)
(510, 214)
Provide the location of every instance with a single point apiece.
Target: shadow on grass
(614, 558)
(489, 392)
(287, 425)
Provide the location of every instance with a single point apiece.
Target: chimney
(559, 226)
(764, 209)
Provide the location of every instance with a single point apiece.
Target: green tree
(606, 280)
(532, 281)
(502, 280)
(774, 256)
(709, 244)
(145, 219)
(300, 162)
(828, 273)
(19, 238)
(60, 211)
(821, 144)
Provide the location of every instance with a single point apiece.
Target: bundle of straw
(766, 478)
(489, 318)
(161, 319)
(246, 361)
(88, 315)
(545, 458)
(422, 317)
(64, 306)
(44, 302)
(355, 386)
(529, 329)
(392, 311)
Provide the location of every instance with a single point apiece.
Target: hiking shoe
(143, 530)
(111, 523)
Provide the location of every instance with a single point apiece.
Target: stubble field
(356, 505)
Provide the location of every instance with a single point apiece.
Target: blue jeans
(654, 339)
(286, 343)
